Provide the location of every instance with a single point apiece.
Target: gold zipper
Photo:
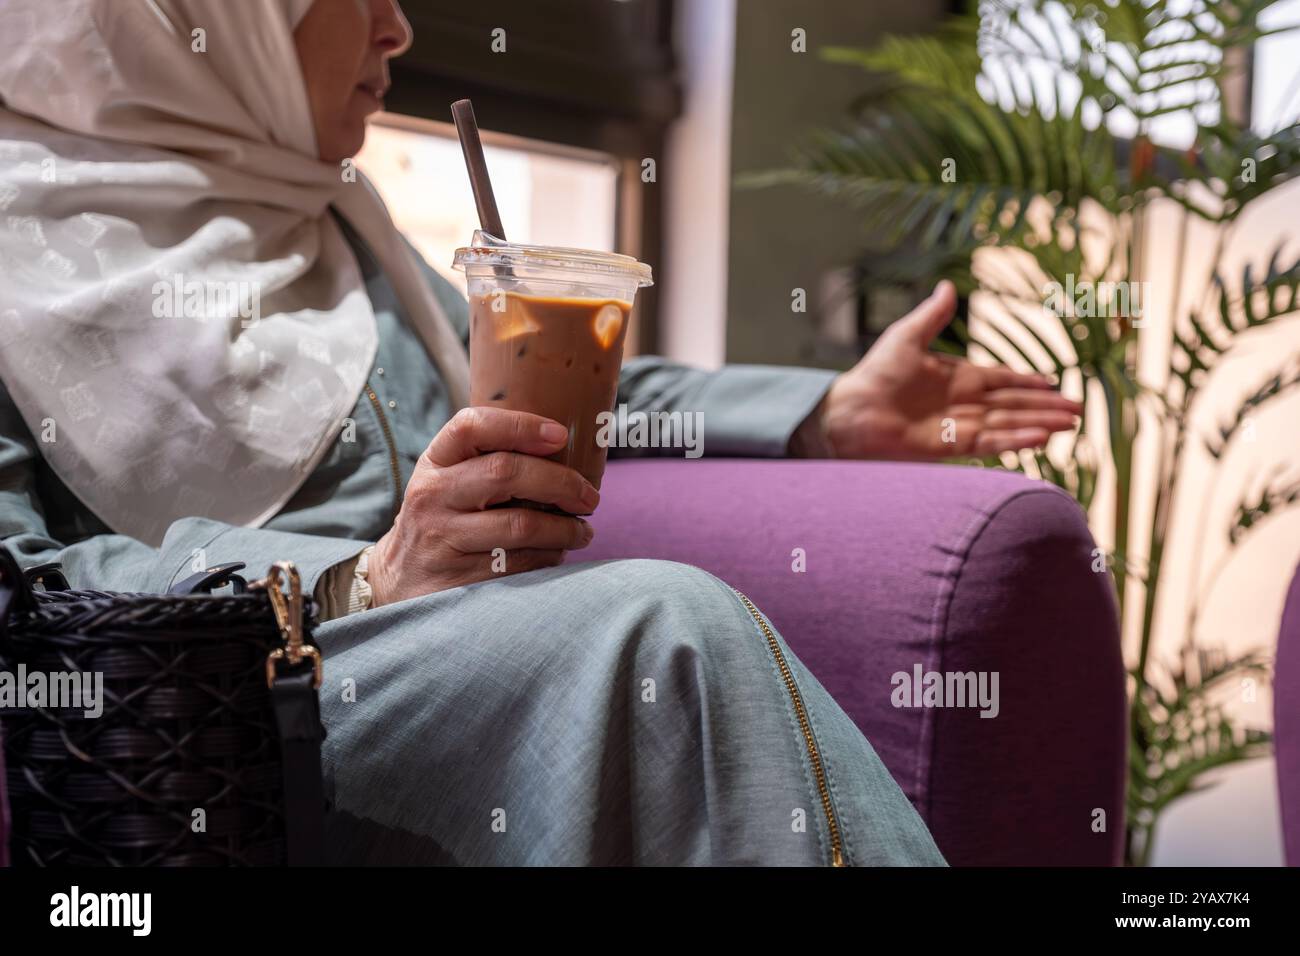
(392, 450)
(814, 756)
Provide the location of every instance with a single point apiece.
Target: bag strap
(297, 716)
(15, 591)
(294, 672)
(206, 581)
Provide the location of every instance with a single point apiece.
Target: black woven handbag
(206, 747)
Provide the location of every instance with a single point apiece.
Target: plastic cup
(547, 327)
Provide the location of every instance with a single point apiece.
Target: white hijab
(128, 159)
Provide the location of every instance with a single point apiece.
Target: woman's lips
(375, 93)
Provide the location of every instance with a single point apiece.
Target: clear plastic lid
(487, 252)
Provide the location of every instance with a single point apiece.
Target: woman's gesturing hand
(903, 401)
(446, 533)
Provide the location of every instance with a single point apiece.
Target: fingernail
(588, 532)
(554, 433)
(590, 497)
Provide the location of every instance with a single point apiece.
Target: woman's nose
(392, 32)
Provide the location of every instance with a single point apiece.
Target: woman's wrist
(811, 439)
(345, 588)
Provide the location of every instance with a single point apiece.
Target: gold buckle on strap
(288, 616)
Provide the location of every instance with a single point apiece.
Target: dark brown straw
(462, 111)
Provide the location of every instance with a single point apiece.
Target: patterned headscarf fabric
(183, 325)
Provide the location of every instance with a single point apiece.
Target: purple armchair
(951, 569)
(1286, 721)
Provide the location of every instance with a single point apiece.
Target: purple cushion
(1286, 720)
(954, 569)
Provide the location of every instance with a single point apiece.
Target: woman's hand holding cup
(448, 532)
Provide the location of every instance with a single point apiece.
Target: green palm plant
(1025, 127)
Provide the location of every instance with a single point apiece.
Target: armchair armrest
(1286, 721)
(935, 567)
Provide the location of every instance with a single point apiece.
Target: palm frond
(930, 158)
(1237, 166)
(1153, 56)
(1255, 301)
(1276, 385)
(1181, 732)
(1269, 501)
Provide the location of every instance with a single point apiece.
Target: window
(552, 195)
(1276, 93)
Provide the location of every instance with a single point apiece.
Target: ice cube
(606, 325)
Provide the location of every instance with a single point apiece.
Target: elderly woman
(152, 147)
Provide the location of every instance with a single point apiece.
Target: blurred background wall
(784, 238)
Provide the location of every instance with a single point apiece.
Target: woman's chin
(343, 143)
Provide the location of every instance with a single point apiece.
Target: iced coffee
(547, 327)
